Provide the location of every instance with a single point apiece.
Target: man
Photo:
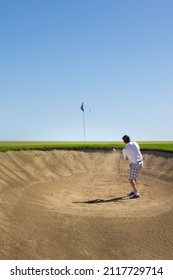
(132, 152)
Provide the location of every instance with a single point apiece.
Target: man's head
(126, 139)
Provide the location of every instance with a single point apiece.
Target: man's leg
(134, 185)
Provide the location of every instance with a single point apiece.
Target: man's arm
(125, 157)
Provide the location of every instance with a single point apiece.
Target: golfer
(132, 153)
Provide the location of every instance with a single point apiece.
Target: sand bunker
(64, 205)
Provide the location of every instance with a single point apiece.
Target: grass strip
(166, 146)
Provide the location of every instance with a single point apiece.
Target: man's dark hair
(126, 138)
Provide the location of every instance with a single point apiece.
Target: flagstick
(84, 124)
(82, 108)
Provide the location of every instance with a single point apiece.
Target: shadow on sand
(103, 200)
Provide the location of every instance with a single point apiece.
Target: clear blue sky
(116, 56)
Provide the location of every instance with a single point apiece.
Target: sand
(63, 205)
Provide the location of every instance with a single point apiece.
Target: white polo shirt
(132, 152)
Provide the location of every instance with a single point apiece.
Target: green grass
(166, 146)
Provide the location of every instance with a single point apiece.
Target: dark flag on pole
(82, 107)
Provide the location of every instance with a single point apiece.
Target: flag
(82, 107)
